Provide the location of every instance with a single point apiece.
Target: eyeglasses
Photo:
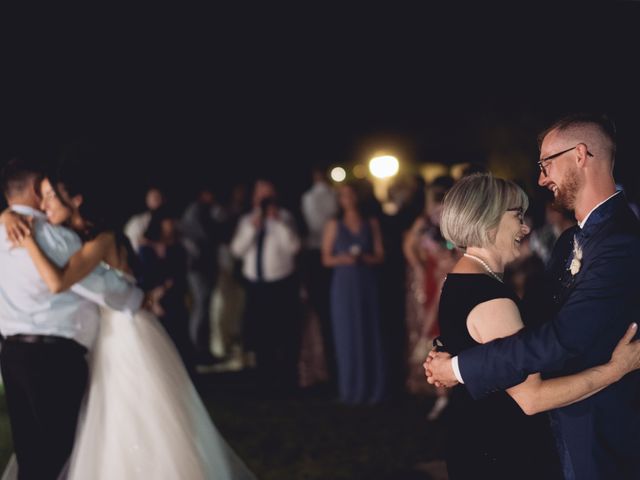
(542, 161)
(520, 211)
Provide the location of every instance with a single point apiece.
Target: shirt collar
(584, 220)
(29, 211)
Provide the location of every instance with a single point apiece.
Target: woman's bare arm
(501, 318)
(18, 227)
(409, 244)
(59, 279)
(328, 239)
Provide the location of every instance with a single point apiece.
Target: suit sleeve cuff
(456, 369)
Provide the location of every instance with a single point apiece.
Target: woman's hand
(626, 356)
(18, 227)
(153, 297)
(347, 259)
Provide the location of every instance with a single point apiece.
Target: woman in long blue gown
(352, 246)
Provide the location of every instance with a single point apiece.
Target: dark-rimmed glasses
(542, 161)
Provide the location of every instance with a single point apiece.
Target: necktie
(259, 254)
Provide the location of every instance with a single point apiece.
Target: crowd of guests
(332, 291)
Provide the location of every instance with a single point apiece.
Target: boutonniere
(576, 262)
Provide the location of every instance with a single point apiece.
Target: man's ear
(77, 201)
(37, 192)
(582, 152)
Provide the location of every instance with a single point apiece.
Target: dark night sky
(186, 98)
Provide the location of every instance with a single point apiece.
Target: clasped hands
(438, 369)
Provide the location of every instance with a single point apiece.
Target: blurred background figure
(163, 270)
(136, 226)
(267, 243)
(407, 196)
(526, 275)
(201, 234)
(352, 246)
(557, 220)
(318, 205)
(430, 257)
(228, 299)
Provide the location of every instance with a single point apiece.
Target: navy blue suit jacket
(598, 437)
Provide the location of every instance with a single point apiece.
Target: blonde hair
(474, 206)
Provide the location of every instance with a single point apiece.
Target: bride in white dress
(142, 416)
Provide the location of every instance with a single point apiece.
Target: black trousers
(272, 331)
(44, 385)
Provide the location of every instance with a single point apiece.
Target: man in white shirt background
(136, 226)
(46, 336)
(267, 243)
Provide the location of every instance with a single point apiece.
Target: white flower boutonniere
(576, 263)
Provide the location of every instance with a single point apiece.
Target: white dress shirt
(136, 226)
(28, 307)
(281, 244)
(319, 205)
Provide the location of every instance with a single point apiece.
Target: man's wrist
(456, 369)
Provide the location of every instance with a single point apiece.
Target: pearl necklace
(486, 267)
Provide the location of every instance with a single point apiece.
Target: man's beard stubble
(568, 192)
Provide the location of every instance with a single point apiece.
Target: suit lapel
(598, 226)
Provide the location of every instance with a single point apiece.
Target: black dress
(489, 438)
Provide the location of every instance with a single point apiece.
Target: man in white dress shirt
(136, 226)
(46, 336)
(267, 243)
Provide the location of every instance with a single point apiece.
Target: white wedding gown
(142, 417)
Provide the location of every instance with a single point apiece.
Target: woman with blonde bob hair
(502, 436)
(474, 207)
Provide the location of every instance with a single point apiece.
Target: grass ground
(311, 436)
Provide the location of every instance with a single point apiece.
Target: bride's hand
(626, 356)
(17, 226)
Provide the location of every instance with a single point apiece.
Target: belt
(42, 339)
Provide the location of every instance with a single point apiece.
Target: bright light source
(338, 174)
(384, 167)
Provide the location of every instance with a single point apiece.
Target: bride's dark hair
(80, 175)
(77, 179)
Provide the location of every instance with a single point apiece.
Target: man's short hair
(18, 175)
(603, 123)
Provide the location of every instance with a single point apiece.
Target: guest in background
(267, 243)
(430, 258)
(319, 205)
(407, 196)
(163, 270)
(137, 224)
(201, 238)
(228, 299)
(557, 220)
(352, 246)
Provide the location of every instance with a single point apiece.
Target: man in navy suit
(596, 294)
